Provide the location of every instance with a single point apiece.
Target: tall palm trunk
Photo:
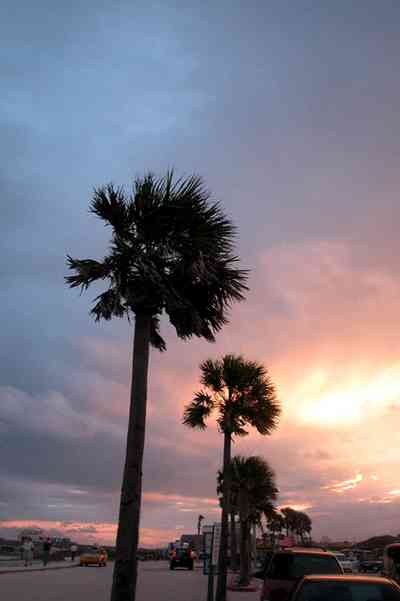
(233, 541)
(125, 567)
(244, 577)
(223, 550)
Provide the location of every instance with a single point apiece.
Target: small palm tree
(242, 394)
(254, 482)
(171, 253)
(275, 523)
(303, 526)
(289, 519)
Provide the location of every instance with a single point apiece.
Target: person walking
(28, 551)
(74, 550)
(46, 551)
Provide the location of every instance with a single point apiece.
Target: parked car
(391, 561)
(286, 568)
(346, 588)
(349, 565)
(94, 556)
(182, 558)
(371, 565)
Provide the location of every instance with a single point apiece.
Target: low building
(35, 534)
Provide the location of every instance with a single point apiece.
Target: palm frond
(87, 272)
(196, 412)
(155, 338)
(109, 203)
(211, 375)
(108, 305)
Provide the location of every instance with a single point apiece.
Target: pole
(210, 587)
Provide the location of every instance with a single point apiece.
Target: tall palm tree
(171, 252)
(254, 481)
(242, 394)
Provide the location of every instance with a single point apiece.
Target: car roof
(305, 551)
(349, 578)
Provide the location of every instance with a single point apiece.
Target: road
(156, 582)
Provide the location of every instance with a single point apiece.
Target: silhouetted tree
(171, 253)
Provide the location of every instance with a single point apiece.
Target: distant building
(35, 534)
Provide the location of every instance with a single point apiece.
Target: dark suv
(287, 568)
(181, 558)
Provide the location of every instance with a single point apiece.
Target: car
(349, 565)
(181, 558)
(94, 556)
(286, 568)
(346, 588)
(371, 565)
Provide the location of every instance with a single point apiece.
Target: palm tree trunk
(233, 542)
(125, 566)
(244, 577)
(223, 550)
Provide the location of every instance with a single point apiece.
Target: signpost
(216, 544)
(212, 543)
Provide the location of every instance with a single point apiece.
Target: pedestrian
(74, 550)
(28, 551)
(46, 551)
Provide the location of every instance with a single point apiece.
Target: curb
(41, 569)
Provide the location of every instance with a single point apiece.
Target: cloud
(308, 173)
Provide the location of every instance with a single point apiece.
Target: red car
(288, 567)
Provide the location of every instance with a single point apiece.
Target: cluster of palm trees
(239, 393)
(252, 496)
(172, 255)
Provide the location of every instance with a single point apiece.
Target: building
(35, 534)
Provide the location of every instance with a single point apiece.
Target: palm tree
(254, 482)
(289, 519)
(171, 252)
(303, 525)
(275, 524)
(242, 394)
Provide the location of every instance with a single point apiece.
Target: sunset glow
(348, 402)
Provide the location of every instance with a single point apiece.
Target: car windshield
(347, 591)
(285, 565)
(340, 557)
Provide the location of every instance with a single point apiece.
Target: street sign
(208, 542)
(216, 544)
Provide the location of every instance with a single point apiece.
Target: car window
(347, 591)
(296, 566)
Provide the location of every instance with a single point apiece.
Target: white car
(350, 566)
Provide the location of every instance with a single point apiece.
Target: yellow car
(95, 556)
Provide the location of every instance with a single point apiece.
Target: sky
(289, 110)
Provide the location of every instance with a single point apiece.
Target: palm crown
(253, 478)
(240, 391)
(171, 250)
